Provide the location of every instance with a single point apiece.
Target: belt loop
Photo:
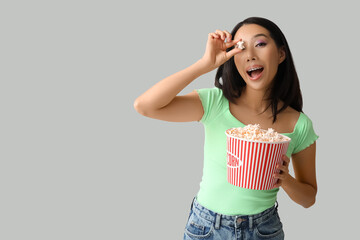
(276, 205)
(217, 221)
(192, 203)
(191, 208)
(251, 221)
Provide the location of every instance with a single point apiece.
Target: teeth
(253, 69)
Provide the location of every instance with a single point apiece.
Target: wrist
(288, 182)
(202, 66)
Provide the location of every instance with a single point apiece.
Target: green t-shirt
(215, 192)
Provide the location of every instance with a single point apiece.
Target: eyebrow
(260, 35)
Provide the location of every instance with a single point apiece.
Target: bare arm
(162, 101)
(302, 188)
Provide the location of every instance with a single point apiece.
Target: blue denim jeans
(206, 224)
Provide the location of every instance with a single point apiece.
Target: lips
(255, 71)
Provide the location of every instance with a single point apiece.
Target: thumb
(232, 42)
(233, 52)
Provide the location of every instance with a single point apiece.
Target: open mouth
(255, 72)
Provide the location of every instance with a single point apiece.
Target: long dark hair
(285, 86)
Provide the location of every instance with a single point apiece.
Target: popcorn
(240, 45)
(255, 133)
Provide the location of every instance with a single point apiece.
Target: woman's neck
(254, 100)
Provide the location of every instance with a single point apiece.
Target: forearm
(301, 193)
(162, 93)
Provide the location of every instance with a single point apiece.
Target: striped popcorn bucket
(251, 164)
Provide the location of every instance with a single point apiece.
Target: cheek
(272, 67)
(238, 63)
(237, 59)
(274, 62)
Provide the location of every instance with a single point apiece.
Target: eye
(260, 44)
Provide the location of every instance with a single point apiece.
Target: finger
(286, 159)
(231, 43)
(233, 52)
(279, 176)
(283, 169)
(221, 34)
(214, 35)
(228, 36)
(278, 184)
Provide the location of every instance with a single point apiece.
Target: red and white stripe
(252, 164)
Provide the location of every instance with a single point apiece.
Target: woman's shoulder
(214, 91)
(213, 101)
(288, 120)
(303, 123)
(304, 134)
(292, 114)
(211, 94)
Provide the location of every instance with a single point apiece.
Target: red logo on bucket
(232, 161)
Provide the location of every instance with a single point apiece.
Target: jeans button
(239, 220)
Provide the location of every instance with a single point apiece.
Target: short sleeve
(305, 135)
(212, 101)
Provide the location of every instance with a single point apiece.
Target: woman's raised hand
(162, 101)
(217, 44)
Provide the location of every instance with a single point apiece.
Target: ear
(282, 55)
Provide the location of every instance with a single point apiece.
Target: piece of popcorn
(255, 133)
(240, 45)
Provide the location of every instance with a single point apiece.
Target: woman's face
(258, 62)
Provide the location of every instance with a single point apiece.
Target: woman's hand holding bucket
(283, 172)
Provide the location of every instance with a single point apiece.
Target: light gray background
(77, 161)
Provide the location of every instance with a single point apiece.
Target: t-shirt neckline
(229, 112)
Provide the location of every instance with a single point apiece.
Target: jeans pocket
(198, 228)
(271, 228)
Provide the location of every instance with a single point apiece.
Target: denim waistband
(232, 221)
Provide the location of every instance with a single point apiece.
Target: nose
(250, 55)
(250, 58)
